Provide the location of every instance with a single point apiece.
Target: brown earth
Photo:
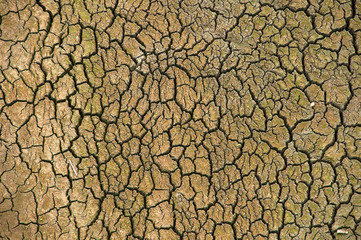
(183, 119)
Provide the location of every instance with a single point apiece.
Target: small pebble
(342, 231)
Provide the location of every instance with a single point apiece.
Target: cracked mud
(182, 119)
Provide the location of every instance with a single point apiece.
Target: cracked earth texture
(191, 119)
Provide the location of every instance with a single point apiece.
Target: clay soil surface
(170, 119)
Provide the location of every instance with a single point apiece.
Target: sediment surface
(180, 119)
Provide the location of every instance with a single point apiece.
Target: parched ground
(170, 119)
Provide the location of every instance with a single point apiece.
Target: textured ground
(183, 119)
